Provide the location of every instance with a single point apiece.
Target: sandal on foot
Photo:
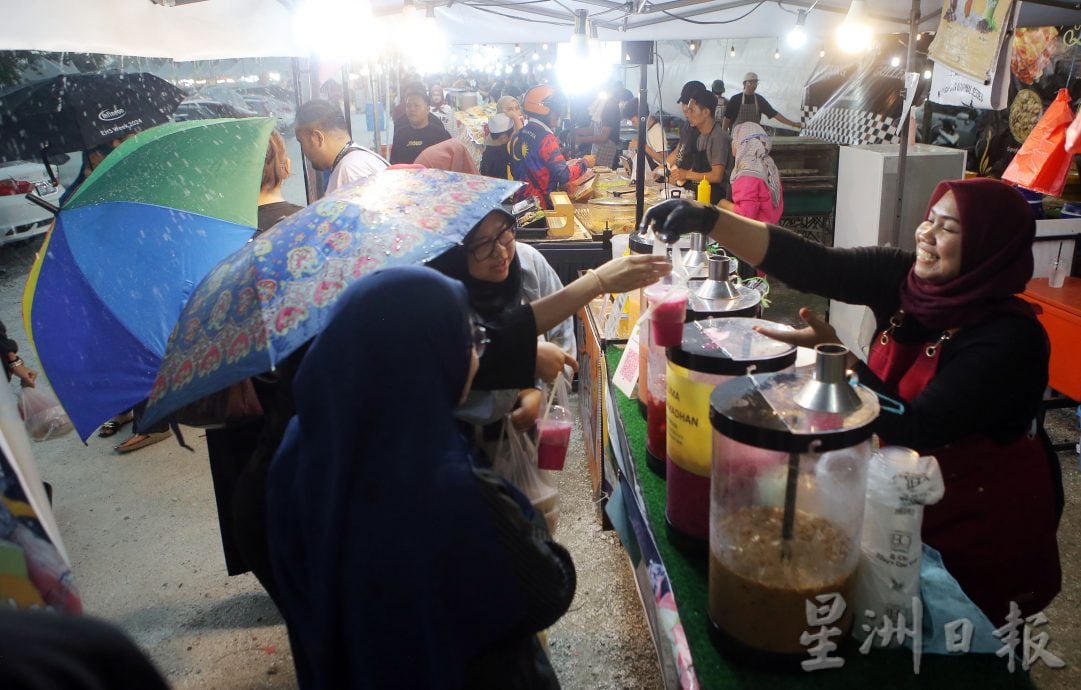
(138, 441)
(112, 426)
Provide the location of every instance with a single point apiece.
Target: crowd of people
(399, 559)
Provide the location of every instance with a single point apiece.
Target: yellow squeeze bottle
(704, 191)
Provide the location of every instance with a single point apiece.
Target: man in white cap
(748, 106)
(496, 158)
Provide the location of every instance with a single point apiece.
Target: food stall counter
(674, 588)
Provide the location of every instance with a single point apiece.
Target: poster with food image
(970, 36)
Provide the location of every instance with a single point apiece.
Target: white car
(21, 219)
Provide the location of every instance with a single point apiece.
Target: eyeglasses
(484, 249)
(480, 339)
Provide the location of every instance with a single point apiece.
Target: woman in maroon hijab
(962, 351)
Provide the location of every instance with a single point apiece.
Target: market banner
(949, 87)
(970, 36)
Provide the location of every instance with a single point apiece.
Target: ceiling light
(895, 61)
(732, 50)
(854, 35)
(797, 37)
(777, 54)
(927, 74)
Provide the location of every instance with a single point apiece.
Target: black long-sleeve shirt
(990, 378)
(7, 348)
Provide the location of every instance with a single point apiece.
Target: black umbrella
(77, 112)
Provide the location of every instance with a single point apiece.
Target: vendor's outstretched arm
(618, 275)
(748, 239)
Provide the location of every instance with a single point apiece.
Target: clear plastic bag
(43, 415)
(554, 428)
(518, 465)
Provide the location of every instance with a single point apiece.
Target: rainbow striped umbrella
(126, 251)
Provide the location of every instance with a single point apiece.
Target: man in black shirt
(418, 130)
(748, 106)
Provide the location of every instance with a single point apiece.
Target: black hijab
(489, 300)
(390, 570)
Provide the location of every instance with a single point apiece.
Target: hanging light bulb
(854, 35)
(797, 37)
(536, 57)
(579, 40)
(822, 53)
(517, 48)
(776, 53)
(409, 10)
(919, 37)
(544, 46)
(732, 50)
(927, 74)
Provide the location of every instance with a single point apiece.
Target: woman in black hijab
(398, 564)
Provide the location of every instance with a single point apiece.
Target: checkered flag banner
(848, 126)
(853, 101)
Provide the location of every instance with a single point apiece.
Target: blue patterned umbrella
(266, 300)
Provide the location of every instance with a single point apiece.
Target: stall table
(673, 588)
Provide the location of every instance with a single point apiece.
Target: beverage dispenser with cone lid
(719, 295)
(713, 351)
(790, 455)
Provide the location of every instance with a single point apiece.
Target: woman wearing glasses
(515, 292)
(399, 564)
(501, 274)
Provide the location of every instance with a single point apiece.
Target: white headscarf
(752, 157)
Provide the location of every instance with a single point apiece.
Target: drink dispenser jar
(790, 455)
(716, 296)
(713, 351)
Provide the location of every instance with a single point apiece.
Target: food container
(713, 351)
(790, 455)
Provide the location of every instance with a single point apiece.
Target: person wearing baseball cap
(688, 134)
(495, 161)
(748, 106)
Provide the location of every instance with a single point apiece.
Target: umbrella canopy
(126, 251)
(276, 293)
(76, 112)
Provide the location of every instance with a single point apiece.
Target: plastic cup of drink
(1057, 277)
(669, 312)
(553, 437)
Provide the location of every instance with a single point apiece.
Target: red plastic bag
(1043, 161)
(42, 414)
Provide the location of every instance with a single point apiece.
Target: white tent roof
(209, 29)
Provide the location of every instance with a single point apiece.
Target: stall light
(895, 61)
(409, 10)
(517, 48)
(579, 40)
(919, 37)
(822, 53)
(547, 65)
(524, 69)
(927, 74)
(430, 26)
(776, 53)
(732, 50)
(536, 57)
(797, 37)
(274, 76)
(544, 46)
(854, 35)
(508, 69)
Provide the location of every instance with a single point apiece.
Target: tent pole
(640, 152)
(377, 112)
(902, 156)
(345, 99)
(300, 98)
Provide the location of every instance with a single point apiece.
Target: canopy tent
(209, 29)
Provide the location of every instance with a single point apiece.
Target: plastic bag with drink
(554, 428)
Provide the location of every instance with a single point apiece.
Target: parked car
(281, 93)
(21, 219)
(206, 109)
(266, 106)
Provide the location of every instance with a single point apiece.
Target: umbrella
(269, 298)
(77, 112)
(126, 251)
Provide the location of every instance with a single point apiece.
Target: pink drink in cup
(669, 312)
(554, 435)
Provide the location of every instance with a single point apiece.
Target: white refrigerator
(867, 201)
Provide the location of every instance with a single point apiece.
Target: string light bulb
(797, 37)
(517, 48)
(732, 50)
(776, 53)
(854, 34)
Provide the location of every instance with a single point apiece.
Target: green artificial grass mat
(880, 669)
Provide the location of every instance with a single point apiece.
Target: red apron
(995, 526)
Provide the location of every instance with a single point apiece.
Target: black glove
(676, 217)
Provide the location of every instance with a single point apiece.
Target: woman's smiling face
(938, 242)
(491, 249)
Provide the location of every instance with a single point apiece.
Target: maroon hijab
(997, 230)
